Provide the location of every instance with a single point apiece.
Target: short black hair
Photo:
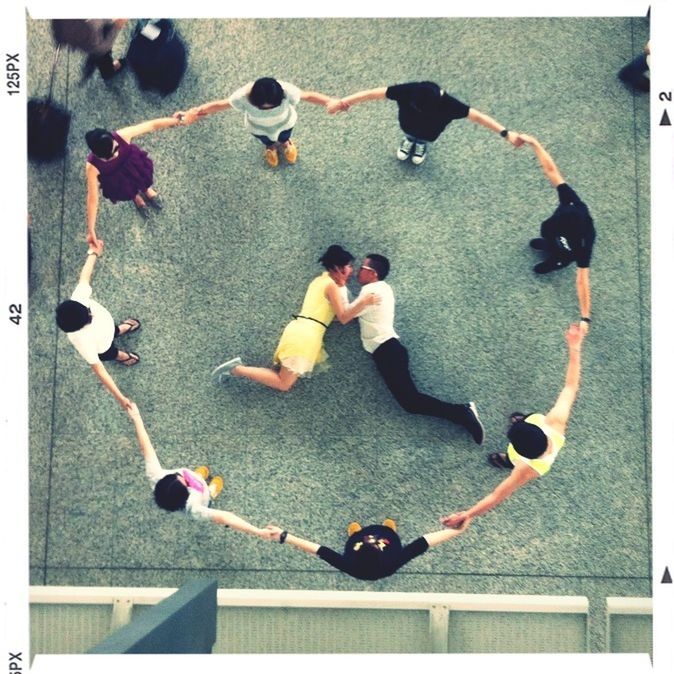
(335, 256)
(380, 264)
(266, 91)
(72, 316)
(527, 439)
(171, 494)
(425, 96)
(100, 142)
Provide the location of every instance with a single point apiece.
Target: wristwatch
(503, 133)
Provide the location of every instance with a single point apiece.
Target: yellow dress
(301, 344)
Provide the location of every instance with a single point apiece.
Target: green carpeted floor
(219, 272)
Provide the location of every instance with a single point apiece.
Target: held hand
(584, 328)
(335, 105)
(371, 298)
(455, 520)
(515, 139)
(271, 533)
(96, 246)
(126, 403)
(526, 138)
(133, 411)
(574, 336)
(92, 240)
(465, 524)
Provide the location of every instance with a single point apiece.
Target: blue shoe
(225, 369)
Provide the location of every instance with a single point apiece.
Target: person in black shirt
(424, 111)
(567, 235)
(372, 552)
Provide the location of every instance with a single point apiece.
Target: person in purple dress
(121, 169)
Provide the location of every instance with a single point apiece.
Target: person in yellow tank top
(535, 440)
(301, 345)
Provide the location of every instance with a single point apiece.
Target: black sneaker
(473, 424)
(548, 265)
(539, 244)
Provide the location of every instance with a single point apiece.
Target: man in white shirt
(391, 357)
(92, 330)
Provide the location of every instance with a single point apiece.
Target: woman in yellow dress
(301, 344)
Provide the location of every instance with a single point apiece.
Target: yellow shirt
(543, 463)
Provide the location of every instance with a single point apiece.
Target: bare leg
(150, 193)
(281, 380)
(138, 200)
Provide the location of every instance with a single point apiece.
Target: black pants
(112, 351)
(105, 64)
(393, 362)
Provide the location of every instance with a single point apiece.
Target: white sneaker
(404, 149)
(225, 369)
(419, 155)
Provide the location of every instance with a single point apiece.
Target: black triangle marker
(666, 578)
(665, 122)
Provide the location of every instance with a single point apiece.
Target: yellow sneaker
(353, 528)
(203, 471)
(215, 486)
(290, 152)
(391, 524)
(271, 156)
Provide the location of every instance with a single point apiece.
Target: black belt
(309, 318)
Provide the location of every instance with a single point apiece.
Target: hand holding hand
(584, 328)
(335, 105)
(91, 239)
(526, 138)
(133, 411)
(465, 524)
(515, 139)
(574, 336)
(455, 520)
(95, 246)
(271, 533)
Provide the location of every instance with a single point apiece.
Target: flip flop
(499, 460)
(133, 357)
(132, 327)
(517, 416)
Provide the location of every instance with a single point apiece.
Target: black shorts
(112, 351)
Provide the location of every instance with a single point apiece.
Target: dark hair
(425, 96)
(266, 91)
(72, 316)
(100, 142)
(171, 494)
(528, 440)
(380, 264)
(335, 256)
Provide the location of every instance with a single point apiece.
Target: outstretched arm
(549, 167)
(92, 202)
(583, 290)
(359, 97)
(295, 541)
(490, 123)
(92, 255)
(347, 312)
(233, 521)
(109, 383)
(128, 133)
(518, 477)
(436, 537)
(558, 416)
(146, 448)
(315, 97)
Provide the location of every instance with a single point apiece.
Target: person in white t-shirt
(187, 491)
(92, 330)
(391, 358)
(269, 112)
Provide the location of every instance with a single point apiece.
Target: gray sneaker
(404, 150)
(419, 154)
(225, 370)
